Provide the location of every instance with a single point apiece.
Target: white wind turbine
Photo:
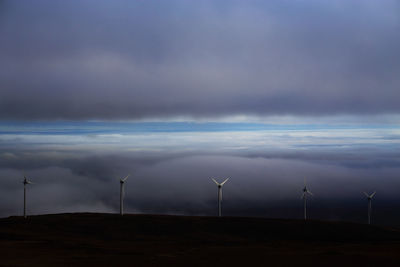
(220, 194)
(369, 197)
(25, 182)
(304, 197)
(121, 195)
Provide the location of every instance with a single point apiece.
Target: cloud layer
(205, 59)
(171, 171)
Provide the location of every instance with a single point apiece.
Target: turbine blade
(372, 195)
(225, 181)
(215, 181)
(303, 195)
(125, 178)
(310, 192)
(366, 194)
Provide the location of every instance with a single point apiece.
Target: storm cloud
(201, 59)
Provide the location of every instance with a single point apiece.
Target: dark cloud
(139, 59)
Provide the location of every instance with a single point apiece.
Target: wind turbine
(220, 194)
(121, 195)
(369, 197)
(304, 197)
(25, 182)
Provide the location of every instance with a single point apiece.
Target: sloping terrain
(91, 239)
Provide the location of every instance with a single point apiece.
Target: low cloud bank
(176, 179)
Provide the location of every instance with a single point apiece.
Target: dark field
(89, 239)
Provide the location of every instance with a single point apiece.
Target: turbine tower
(25, 182)
(121, 195)
(369, 197)
(220, 194)
(304, 197)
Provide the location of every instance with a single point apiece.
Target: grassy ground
(90, 239)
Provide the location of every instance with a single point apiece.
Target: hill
(91, 239)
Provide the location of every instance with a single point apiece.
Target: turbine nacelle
(306, 191)
(220, 184)
(26, 181)
(124, 179)
(370, 196)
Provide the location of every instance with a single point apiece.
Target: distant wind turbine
(25, 182)
(121, 195)
(220, 194)
(304, 197)
(369, 197)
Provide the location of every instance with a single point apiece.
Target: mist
(171, 171)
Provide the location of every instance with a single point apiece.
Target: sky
(96, 59)
(267, 93)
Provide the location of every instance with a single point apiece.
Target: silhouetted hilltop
(94, 239)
